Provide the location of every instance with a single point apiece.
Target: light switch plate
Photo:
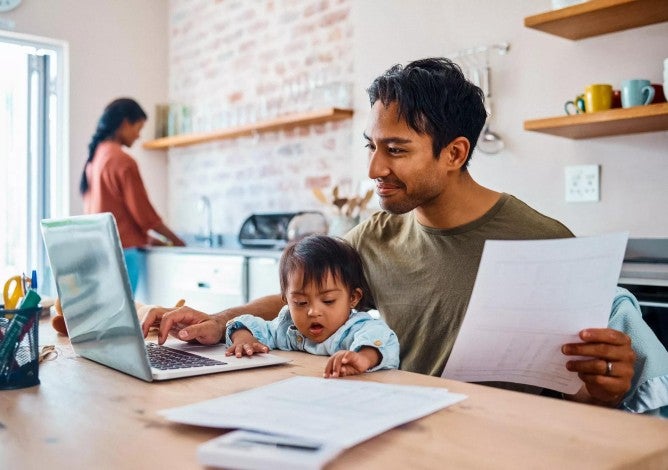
(582, 183)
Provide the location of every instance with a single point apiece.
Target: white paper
(529, 298)
(335, 411)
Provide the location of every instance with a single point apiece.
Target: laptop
(94, 289)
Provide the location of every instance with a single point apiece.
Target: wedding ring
(608, 368)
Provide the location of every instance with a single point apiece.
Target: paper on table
(530, 297)
(341, 412)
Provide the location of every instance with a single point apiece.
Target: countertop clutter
(212, 277)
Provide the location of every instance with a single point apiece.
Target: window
(33, 166)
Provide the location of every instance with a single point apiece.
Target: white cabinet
(207, 283)
(262, 277)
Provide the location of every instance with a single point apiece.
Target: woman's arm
(163, 230)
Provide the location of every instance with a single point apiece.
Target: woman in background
(111, 182)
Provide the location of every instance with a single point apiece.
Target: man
(422, 252)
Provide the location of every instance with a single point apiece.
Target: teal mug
(636, 92)
(577, 105)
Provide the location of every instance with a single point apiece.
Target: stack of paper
(306, 419)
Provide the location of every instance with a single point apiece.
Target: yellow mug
(598, 97)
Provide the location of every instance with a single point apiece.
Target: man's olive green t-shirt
(421, 278)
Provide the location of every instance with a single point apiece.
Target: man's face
(401, 161)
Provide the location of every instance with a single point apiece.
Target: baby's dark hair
(318, 255)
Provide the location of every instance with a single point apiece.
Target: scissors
(15, 289)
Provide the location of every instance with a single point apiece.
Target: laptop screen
(92, 282)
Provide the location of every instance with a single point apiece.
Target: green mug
(577, 105)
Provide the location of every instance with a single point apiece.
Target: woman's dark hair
(435, 98)
(317, 256)
(113, 116)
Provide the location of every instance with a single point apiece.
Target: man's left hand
(607, 370)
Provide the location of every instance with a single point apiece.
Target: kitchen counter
(209, 279)
(217, 251)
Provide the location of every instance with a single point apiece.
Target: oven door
(653, 300)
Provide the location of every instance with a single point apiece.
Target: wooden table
(84, 415)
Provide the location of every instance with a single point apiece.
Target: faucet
(204, 206)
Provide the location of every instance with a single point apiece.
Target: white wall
(540, 72)
(258, 57)
(116, 48)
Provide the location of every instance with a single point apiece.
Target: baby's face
(319, 312)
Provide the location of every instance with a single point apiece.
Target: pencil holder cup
(19, 348)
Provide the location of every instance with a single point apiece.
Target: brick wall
(234, 61)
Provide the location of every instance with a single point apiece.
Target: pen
(280, 445)
(33, 280)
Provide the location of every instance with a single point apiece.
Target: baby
(323, 283)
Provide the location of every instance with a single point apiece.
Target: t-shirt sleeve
(353, 235)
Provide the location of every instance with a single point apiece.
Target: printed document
(530, 297)
(334, 411)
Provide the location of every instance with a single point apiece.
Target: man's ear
(456, 152)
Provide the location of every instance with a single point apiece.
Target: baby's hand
(244, 343)
(345, 363)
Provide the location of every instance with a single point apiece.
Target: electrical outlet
(582, 183)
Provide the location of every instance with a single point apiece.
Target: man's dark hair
(435, 98)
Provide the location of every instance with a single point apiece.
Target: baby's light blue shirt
(360, 330)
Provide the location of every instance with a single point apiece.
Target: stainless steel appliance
(645, 274)
(274, 230)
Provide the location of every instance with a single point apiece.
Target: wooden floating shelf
(650, 118)
(283, 122)
(597, 17)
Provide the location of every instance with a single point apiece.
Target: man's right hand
(185, 324)
(188, 324)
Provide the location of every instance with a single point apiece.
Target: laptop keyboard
(166, 358)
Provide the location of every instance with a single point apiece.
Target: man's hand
(183, 323)
(345, 363)
(244, 343)
(608, 370)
